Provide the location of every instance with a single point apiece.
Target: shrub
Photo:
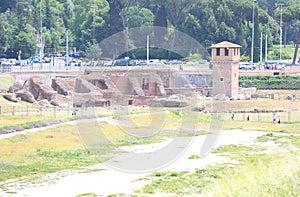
(270, 82)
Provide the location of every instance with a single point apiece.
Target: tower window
(145, 84)
(226, 51)
(130, 102)
(218, 51)
(221, 79)
(166, 82)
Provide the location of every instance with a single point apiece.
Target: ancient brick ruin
(106, 87)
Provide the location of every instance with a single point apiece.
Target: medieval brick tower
(225, 58)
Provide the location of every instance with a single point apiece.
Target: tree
(4, 5)
(126, 13)
(48, 18)
(256, 36)
(144, 18)
(3, 39)
(113, 19)
(25, 41)
(289, 14)
(93, 51)
(161, 17)
(88, 21)
(68, 12)
(177, 9)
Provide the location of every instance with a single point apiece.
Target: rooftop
(226, 44)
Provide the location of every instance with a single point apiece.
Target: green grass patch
(282, 140)
(180, 183)
(43, 152)
(267, 137)
(262, 175)
(256, 173)
(87, 195)
(234, 149)
(194, 157)
(43, 162)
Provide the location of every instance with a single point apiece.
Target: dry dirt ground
(102, 180)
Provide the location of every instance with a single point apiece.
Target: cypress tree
(256, 36)
(48, 16)
(160, 20)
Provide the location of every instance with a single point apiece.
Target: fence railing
(257, 116)
(35, 111)
(268, 116)
(55, 111)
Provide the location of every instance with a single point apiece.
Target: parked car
(174, 62)
(123, 62)
(4, 62)
(18, 63)
(280, 65)
(246, 66)
(274, 65)
(203, 61)
(46, 59)
(141, 63)
(33, 60)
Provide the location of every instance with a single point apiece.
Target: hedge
(270, 82)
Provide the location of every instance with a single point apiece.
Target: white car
(246, 66)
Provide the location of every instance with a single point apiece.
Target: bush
(270, 82)
(275, 55)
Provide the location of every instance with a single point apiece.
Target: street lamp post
(41, 38)
(252, 37)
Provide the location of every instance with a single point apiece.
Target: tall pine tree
(48, 18)
(256, 48)
(160, 20)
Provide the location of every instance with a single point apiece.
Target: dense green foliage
(91, 21)
(270, 82)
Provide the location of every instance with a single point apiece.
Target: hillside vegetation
(26, 25)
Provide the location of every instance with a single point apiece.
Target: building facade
(225, 58)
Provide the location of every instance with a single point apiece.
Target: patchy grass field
(30, 153)
(63, 148)
(254, 172)
(42, 152)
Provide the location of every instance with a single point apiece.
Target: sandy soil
(103, 180)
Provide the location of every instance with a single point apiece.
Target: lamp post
(41, 38)
(252, 37)
(148, 42)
